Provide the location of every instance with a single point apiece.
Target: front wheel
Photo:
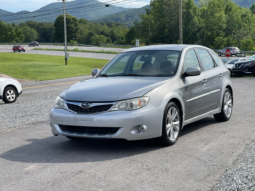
(227, 106)
(171, 125)
(219, 53)
(253, 71)
(231, 73)
(10, 95)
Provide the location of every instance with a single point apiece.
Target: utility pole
(180, 23)
(64, 9)
(149, 29)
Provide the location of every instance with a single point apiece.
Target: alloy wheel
(10, 95)
(172, 123)
(228, 104)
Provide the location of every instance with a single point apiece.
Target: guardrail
(241, 51)
(45, 43)
(118, 45)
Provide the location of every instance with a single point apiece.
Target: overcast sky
(31, 5)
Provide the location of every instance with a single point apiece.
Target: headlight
(59, 103)
(131, 104)
(247, 64)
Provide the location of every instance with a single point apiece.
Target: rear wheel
(10, 95)
(171, 125)
(219, 53)
(24, 50)
(14, 51)
(227, 106)
(19, 50)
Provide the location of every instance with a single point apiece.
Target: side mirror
(192, 72)
(95, 71)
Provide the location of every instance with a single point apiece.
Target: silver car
(233, 50)
(146, 92)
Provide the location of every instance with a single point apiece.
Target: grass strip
(45, 67)
(78, 50)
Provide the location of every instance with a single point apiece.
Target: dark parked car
(18, 48)
(245, 67)
(34, 43)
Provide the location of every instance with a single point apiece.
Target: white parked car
(230, 64)
(10, 89)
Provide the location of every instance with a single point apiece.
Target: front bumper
(150, 116)
(242, 71)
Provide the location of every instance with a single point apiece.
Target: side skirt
(197, 118)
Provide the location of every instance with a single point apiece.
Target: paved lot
(32, 159)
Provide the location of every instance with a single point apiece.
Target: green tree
(253, 8)
(131, 35)
(29, 33)
(99, 39)
(72, 28)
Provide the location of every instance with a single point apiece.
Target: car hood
(6, 79)
(112, 88)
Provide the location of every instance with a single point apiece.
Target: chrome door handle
(204, 80)
(220, 75)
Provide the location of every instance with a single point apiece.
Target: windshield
(143, 63)
(252, 57)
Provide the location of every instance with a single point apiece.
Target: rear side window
(215, 57)
(190, 60)
(206, 59)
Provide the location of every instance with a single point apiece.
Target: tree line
(212, 23)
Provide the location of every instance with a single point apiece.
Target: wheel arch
(231, 91)
(180, 106)
(12, 86)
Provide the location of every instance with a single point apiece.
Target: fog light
(139, 129)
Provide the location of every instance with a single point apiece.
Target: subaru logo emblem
(86, 105)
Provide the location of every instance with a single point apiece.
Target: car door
(195, 91)
(213, 76)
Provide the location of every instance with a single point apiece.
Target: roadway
(32, 159)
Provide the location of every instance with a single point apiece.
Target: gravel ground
(27, 110)
(241, 175)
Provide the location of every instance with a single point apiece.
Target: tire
(253, 71)
(75, 138)
(19, 50)
(219, 53)
(227, 107)
(14, 51)
(231, 55)
(10, 95)
(24, 51)
(171, 127)
(231, 73)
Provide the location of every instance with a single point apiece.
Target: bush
(247, 44)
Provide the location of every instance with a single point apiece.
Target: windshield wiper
(131, 75)
(104, 75)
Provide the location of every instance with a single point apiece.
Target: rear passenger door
(213, 78)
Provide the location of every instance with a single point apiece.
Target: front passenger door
(195, 91)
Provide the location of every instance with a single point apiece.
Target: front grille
(89, 130)
(91, 110)
(238, 65)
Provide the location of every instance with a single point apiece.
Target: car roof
(176, 47)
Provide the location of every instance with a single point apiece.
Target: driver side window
(190, 60)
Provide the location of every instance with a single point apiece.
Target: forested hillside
(126, 17)
(87, 9)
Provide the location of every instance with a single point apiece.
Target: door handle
(204, 80)
(220, 75)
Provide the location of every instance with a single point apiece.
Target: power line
(95, 6)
